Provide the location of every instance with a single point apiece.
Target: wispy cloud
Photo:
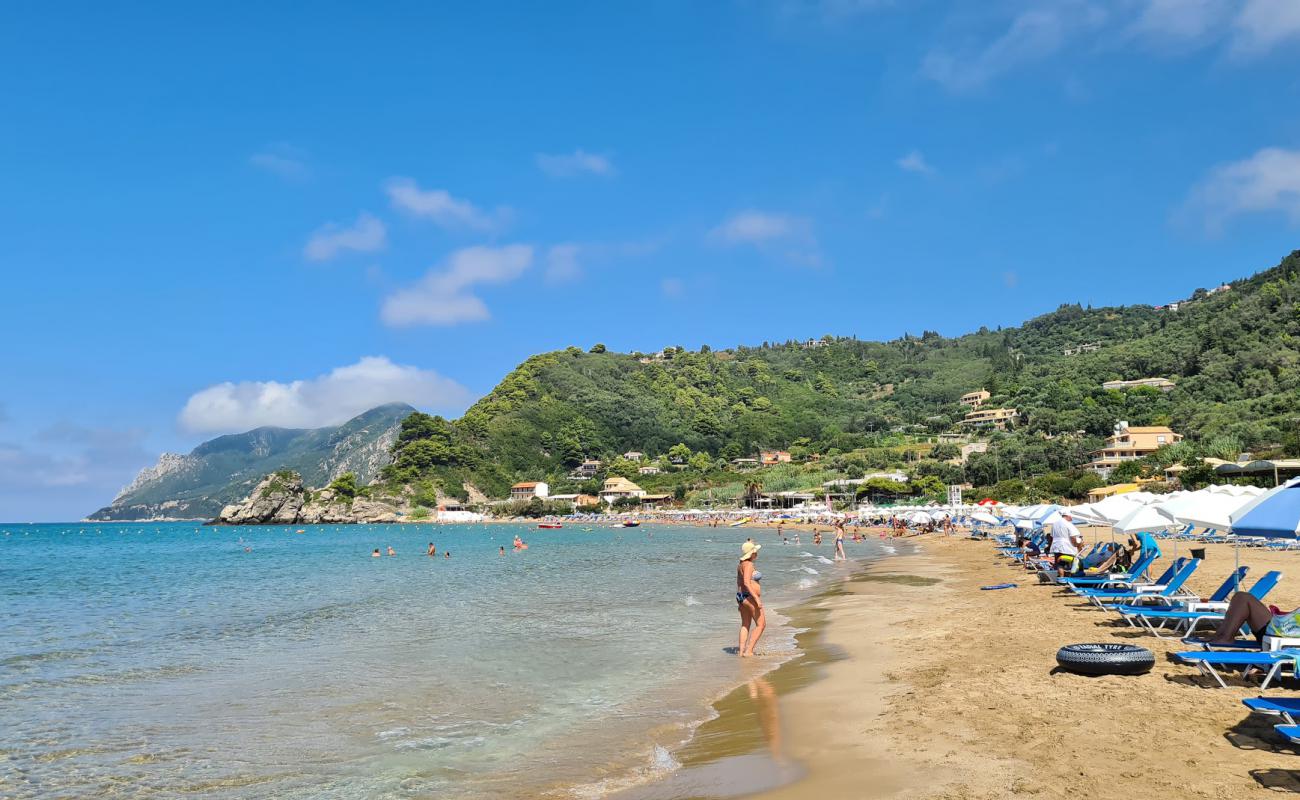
(1267, 182)
(366, 235)
(283, 160)
(567, 261)
(1180, 23)
(787, 236)
(1033, 35)
(1262, 25)
(70, 455)
(579, 162)
(442, 297)
(1245, 28)
(327, 399)
(915, 162)
(562, 262)
(672, 287)
(439, 206)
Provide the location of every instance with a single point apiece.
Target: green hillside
(1233, 354)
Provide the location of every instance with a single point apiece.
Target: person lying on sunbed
(1245, 609)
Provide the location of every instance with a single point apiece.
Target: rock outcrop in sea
(282, 499)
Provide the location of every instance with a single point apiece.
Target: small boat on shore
(549, 526)
(739, 522)
(631, 523)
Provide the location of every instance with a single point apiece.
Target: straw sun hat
(748, 550)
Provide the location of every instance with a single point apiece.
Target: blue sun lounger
(1135, 573)
(1288, 708)
(1216, 603)
(1174, 585)
(1271, 660)
(1291, 732)
(1186, 621)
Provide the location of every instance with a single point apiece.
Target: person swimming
(447, 554)
(432, 551)
(391, 551)
(503, 550)
(376, 554)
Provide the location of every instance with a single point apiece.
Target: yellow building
(975, 399)
(996, 417)
(1128, 443)
(615, 488)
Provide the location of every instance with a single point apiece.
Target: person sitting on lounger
(1246, 609)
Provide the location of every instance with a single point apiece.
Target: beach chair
(1185, 621)
(1291, 732)
(1209, 662)
(1214, 603)
(1136, 573)
(1145, 591)
(1288, 708)
(1112, 587)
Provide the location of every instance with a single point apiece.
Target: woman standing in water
(839, 542)
(749, 598)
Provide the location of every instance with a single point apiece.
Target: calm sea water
(165, 660)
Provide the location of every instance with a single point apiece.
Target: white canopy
(1145, 518)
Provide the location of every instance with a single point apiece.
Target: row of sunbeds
(1164, 608)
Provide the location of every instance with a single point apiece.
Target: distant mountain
(225, 469)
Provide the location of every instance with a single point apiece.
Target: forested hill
(1233, 354)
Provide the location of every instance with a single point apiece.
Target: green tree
(345, 485)
(598, 348)
(701, 462)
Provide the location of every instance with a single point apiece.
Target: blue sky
(224, 215)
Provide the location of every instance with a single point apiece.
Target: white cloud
(578, 162)
(443, 209)
(327, 399)
(757, 227)
(562, 262)
(787, 236)
(442, 296)
(1033, 35)
(1264, 24)
(1174, 22)
(1268, 181)
(283, 160)
(566, 261)
(70, 455)
(366, 235)
(915, 162)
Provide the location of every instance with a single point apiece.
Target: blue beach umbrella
(1275, 514)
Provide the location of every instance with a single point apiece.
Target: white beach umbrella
(1145, 518)
(986, 518)
(1114, 508)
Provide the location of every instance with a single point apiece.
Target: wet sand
(917, 684)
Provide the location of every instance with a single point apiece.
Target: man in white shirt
(1066, 541)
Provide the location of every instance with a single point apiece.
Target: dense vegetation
(856, 406)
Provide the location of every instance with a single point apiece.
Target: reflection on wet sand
(741, 751)
(768, 710)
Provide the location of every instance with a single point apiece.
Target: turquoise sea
(166, 660)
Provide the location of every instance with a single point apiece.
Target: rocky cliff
(281, 499)
(221, 471)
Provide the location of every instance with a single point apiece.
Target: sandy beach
(919, 685)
